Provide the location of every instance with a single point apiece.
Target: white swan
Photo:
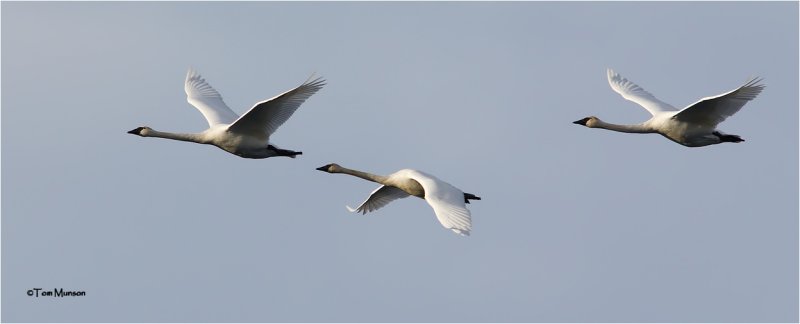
(692, 126)
(448, 202)
(246, 136)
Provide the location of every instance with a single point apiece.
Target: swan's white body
(447, 201)
(246, 136)
(692, 126)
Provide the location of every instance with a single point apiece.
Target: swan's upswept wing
(635, 93)
(379, 198)
(447, 202)
(713, 110)
(203, 97)
(266, 116)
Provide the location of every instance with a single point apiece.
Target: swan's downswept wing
(447, 202)
(202, 96)
(266, 116)
(378, 198)
(714, 110)
(637, 94)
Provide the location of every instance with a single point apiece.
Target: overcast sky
(575, 224)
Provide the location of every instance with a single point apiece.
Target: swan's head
(590, 121)
(330, 168)
(141, 131)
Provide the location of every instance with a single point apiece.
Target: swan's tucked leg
(728, 137)
(282, 152)
(468, 196)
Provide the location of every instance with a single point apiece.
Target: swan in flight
(246, 136)
(692, 126)
(448, 202)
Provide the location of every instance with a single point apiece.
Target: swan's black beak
(323, 168)
(136, 131)
(582, 121)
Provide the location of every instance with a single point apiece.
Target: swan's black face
(590, 121)
(137, 131)
(582, 121)
(328, 167)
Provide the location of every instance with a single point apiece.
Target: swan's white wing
(447, 202)
(635, 93)
(203, 97)
(266, 116)
(379, 198)
(711, 111)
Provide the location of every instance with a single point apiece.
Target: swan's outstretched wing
(266, 116)
(203, 97)
(379, 198)
(447, 202)
(635, 93)
(711, 111)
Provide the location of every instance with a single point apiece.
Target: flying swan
(693, 126)
(246, 136)
(448, 202)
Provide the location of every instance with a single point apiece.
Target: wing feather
(631, 91)
(711, 111)
(208, 101)
(266, 116)
(447, 202)
(378, 198)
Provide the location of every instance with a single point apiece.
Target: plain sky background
(575, 224)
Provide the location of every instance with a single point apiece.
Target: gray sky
(575, 224)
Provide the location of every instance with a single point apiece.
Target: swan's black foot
(468, 196)
(282, 152)
(728, 137)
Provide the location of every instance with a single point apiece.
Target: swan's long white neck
(362, 175)
(196, 138)
(637, 128)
